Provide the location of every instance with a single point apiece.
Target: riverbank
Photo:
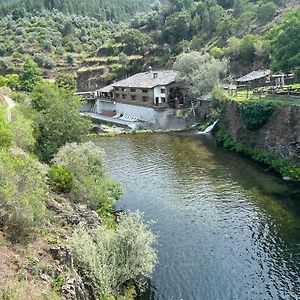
(267, 131)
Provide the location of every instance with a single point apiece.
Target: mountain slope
(102, 9)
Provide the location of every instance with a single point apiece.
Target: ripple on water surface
(227, 229)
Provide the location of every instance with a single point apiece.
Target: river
(227, 228)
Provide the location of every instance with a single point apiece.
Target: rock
(74, 214)
(63, 255)
(75, 289)
(46, 277)
(87, 216)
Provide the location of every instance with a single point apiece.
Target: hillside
(103, 51)
(114, 10)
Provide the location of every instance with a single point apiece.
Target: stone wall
(280, 135)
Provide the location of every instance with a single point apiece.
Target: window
(117, 89)
(123, 89)
(163, 91)
(117, 95)
(133, 97)
(145, 99)
(163, 99)
(123, 96)
(144, 90)
(133, 90)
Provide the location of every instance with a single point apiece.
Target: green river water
(227, 228)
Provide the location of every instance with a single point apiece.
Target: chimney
(150, 69)
(155, 74)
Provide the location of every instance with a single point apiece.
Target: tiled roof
(254, 75)
(147, 79)
(106, 89)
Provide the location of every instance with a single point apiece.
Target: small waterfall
(209, 129)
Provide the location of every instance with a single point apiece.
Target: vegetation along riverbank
(56, 209)
(141, 67)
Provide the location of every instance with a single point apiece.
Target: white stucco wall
(158, 93)
(156, 118)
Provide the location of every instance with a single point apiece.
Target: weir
(209, 129)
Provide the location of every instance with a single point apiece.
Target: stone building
(153, 97)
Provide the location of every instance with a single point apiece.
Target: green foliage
(23, 130)
(58, 284)
(91, 183)
(285, 55)
(135, 42)
(111, 258)
(256, 113)
(60, 179)
(284, 167)
(266, 12)
(6, 134)
(30, 75)
(102, 9)
(23, 190)
(66, 81)
(176, 27)
(200, 73)
(60, 121)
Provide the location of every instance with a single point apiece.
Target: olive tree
(111, 258)
(199, 72)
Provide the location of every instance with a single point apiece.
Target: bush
(6, 135)
(91, 183)
(256, 113)
(111, 258)
(23, 131)
(60, 179)
(23, 190)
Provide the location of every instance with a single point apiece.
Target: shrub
(39, 58)
(22, 192)
(111, 258)
(256, 113)
(5, 131)
(91, 183)
(23, 131)
(49, 63)
(60, 179)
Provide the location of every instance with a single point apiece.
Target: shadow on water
(228, 229)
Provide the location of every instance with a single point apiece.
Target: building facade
(151, 97)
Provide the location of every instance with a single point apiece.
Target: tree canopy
(285, 43)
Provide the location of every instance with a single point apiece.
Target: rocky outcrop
(73, 214)
(280, 135)
(74, 286)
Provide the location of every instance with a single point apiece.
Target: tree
(66, 81)
(199, 73)
(266, 12)
(135, 42)
(285, 44)
(177, 27)
(60, 120)
(30, 75)
(112, 258)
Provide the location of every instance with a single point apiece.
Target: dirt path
(11, 104)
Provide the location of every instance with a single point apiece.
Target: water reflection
(227, 228)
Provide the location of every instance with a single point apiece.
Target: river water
(227, 229)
